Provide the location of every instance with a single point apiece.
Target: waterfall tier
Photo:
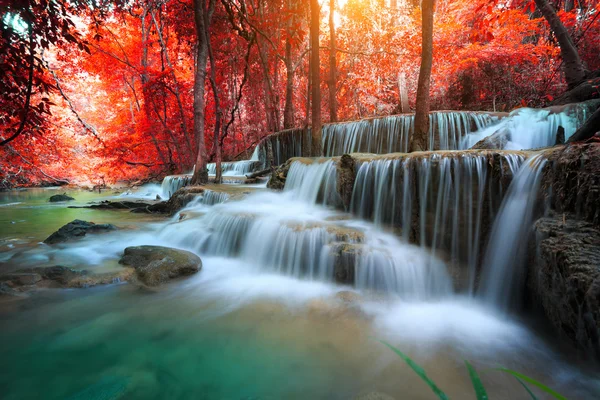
(235, 168)
(392, 134)
(444, 201)
(528, 128)
(173, 183)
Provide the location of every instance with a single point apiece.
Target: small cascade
(391, 134)
(441, 200)
(313, 181)
(235, 168)
(528, 128)
(447, 128)
(392, 266)
(173, 183)
(279, 147)
(504, 273)
(209, 198)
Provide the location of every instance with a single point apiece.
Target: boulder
(60, 197)
(76, 229)
(564, 279)
(155, 265)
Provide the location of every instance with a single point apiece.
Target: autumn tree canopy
(97, 92)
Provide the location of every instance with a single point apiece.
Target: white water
(503, 267)
(391, 134)
(446, 191)
(529, 128)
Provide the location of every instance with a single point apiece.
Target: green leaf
(418, 370)
(533, 382)
(527, 388)
(477, 385)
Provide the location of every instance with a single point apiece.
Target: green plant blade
(532, 381)
(527, 388)
(418, 370)
(477, 385)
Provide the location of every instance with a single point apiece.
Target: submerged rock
(75, 229)
(139, 207)
(565, 278)
(155, 265)
(60, 197)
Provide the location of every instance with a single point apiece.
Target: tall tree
(315, 76)
(575, 71)
(332, 64)
(203, 11)
(418, 140)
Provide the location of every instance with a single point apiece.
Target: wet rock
(60, 197)
(496, 141)
(348, 297)
(374, 396)
(571, 180)
(22, 279)
(279, 176)
(59, 274)
(183, 197)
(345, 257)
(90, 280)
(155, 265)
(346, 175)
(77, 229)
(564, 279)
(139, 207)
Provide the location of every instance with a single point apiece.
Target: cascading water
(236, 168)
(277, 148)
(313, 182)
(503, 271)
(173, 183)
(528, 128)
(442, 200)
(391, 134)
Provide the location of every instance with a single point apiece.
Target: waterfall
(392, 266)
(504, 270)
(313, 181)
(528, 128)
(173, 183)
(440, 200)
(391, 134)
(235, 168)
(209, 198)
(277, 148)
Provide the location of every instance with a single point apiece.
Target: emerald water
(244, 327)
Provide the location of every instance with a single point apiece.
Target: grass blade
(418, 370)
(533, 397)
(532, 381)
(477, 385)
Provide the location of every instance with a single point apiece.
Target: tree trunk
(575, 71)
(403, 93)
(315, 78)
(200, 172)
(218, 109)
(288, 112)
(418, 140)
(588, 130)
(332, 64)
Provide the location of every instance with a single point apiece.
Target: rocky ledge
(77, 229)
(565, 278)
(155, 265)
